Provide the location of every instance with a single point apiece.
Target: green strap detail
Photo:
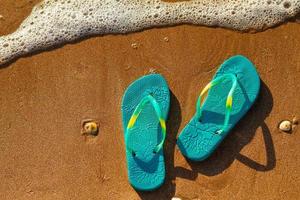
(136, 113)
(216, 81)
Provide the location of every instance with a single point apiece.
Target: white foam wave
(61, 21)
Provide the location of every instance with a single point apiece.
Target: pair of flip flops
(145, 108)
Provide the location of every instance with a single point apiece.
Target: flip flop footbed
(199, 139)
(146, 169)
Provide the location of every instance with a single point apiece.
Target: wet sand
(44, 97)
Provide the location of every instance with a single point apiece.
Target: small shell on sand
(134, 45)
(285, 126)
(1, 17)
(166, 39)
(90, 128)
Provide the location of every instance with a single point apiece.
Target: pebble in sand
(90, 128)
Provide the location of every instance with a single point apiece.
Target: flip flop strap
(136, 113)
(210, 85)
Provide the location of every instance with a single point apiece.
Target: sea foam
(56, 22)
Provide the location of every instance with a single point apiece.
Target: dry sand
(45, 96)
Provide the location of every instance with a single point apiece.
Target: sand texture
(45, 96)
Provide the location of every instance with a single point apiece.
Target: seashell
(176, 198)
(134, 45)
(285, 126)
(90, 128)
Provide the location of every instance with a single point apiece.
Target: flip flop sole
(198, 139)
(146, 170)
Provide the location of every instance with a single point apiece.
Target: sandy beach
(45, 96)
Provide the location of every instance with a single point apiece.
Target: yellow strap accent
(163, 124)
(132, 121)
(207, 87)
(229, 102)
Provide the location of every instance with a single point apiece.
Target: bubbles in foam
(55, 22)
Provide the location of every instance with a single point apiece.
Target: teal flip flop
(231, 93)
(145, 108)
